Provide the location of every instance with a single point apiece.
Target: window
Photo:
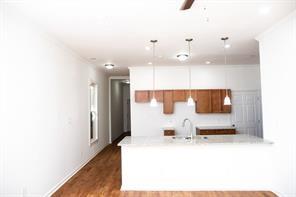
(93, 112)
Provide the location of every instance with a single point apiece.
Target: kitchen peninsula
(216, 162)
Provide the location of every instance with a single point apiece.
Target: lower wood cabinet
(169, 132)
(215, 131)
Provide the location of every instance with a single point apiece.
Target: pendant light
(153, 101)
(227, 100)
(190, 101)
(182, 57)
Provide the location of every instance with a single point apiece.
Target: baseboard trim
(63, 181)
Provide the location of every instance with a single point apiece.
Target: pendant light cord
(189, 70)
(225, 62)
(153, 66)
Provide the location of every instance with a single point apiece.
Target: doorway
(119, 107)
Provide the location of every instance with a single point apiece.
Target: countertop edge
(167, 141)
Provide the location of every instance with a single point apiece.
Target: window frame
(91, 109)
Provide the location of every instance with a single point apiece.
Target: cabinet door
(179, 95)
(168, 102)
(217, 132)
(169, 132)
(203, 101)
(225, 108)
(141, 96)
(158, 95)
(193, 94)
(216, 102)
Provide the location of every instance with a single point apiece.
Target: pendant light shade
(190, 101)
(182, 57)
(153, 101)
(227, 100)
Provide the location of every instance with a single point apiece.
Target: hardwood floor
(101, 177)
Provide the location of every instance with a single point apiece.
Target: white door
(246, 112)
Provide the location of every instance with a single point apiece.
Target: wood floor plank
(101, 177)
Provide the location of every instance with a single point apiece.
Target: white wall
(44, 109)
(149, 121)
(277, 55)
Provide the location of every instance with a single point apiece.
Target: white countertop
(197, 140)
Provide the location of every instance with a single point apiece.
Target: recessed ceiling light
(208, 62)
(227, 46)
(109, 66)
(147, 48)
(150, 63)
(264, 10)
(182, 57)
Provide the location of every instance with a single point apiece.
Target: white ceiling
(117, 31)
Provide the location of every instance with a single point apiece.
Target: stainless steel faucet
(190, 132)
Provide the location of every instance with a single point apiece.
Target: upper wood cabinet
(158, 95)
(142, 96)
(207, 101)
(168, 102)
(179, 95)
(212, 101)
(216, 102)
(193, 94)
(203, 101)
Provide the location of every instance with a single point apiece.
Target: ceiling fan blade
(187, 4)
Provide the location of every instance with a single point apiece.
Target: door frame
(109, 100)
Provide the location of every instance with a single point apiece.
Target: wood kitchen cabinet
(203, 101)
(216, 102)
(208, 101)
(215, 131)
(142, 96)
(179, 95)
(169, 132)
(212, 101)
(193, 94)
(168, 102)
(158, 95)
